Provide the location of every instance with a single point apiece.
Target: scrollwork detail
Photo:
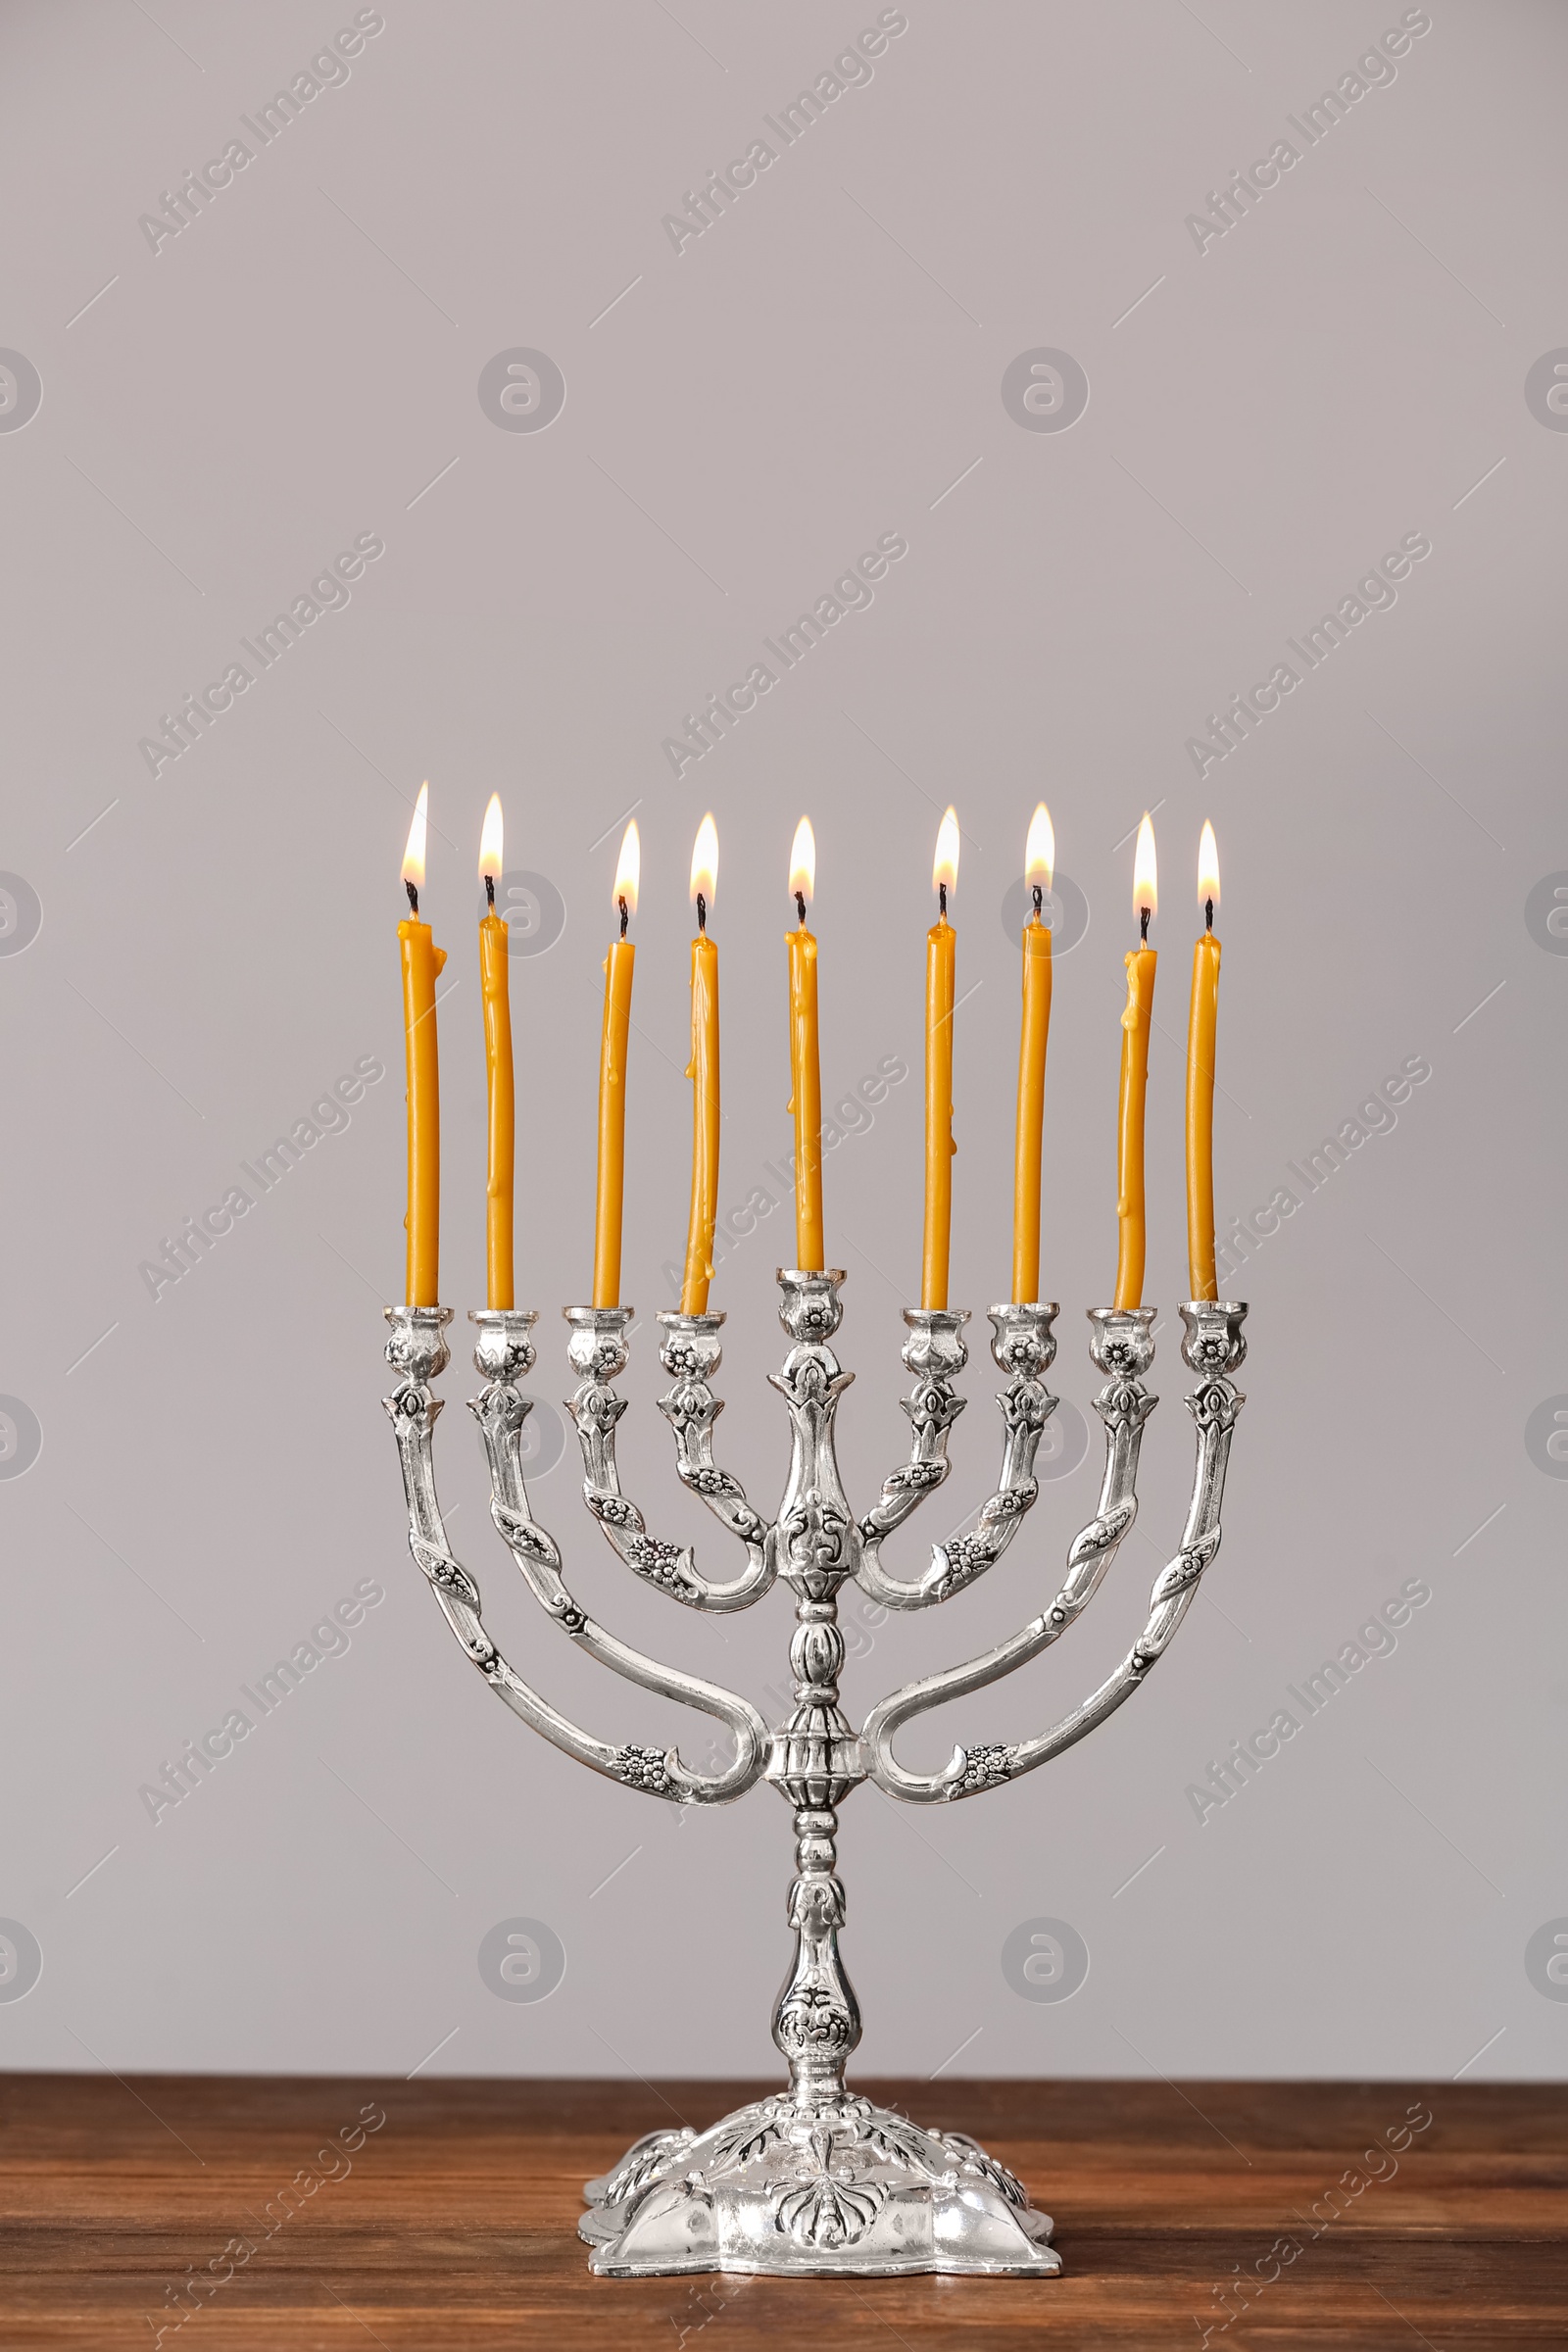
(813, 2017)
(445, 1572)
(829, 2208)
(1215, 1404)
(984, 1767)
(644, 1768)
(969, 2154)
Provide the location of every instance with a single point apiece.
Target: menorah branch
(505, 1353)
(689, 1355)
(598, 1351)
(1214, 1348)
(1122, 1346)
(1023, 1347)
(936, 1352)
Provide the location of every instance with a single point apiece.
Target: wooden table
(453, 2222)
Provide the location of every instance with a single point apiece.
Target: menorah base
(839, 2189)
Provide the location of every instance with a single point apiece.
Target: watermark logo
(1229, 204)
(328, 592)
(1044, 391)
(21, 1960)
(183, 2302)
(1546, 1436)
(1243, 713)
(1236, 1239)
(1044, 1960)
(1063, 1441)
(328, 70)
(706, 204)
(1545, 390)
(1229, 1775)
(329, 1114)
(542, 1439)
(1546, 913)
(1063, 910)
(522, 391)
(1235, 2296)
(1546, 1959)
(854, 591)
(20, 1437)
(20, 391)
(532, 909)
(21, 914)
(198, 1761)
(522, 1960)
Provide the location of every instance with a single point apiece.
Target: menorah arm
(1214, 1348)
(1023, 1346)
(690, 1353)
(936, 1352)
(417, 1350)
(597, 1352)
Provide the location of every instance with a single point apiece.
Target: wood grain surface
(452, 2221)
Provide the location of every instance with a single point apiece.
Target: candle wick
(942, 900)
(625, 918)
(490, 892)
(1040, 901)
(414, 896)
(702, 912)
(1143, 926)
(1209, 915)
(800, 907)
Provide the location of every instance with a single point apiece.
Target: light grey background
(1266, 418)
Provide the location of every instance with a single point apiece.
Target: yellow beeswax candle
(806, 1074)
(704, 1075)
(1033, 1032)
(423, 963)
(1135, 1023)
(940, 972)
(1201, 1026)
(495, 985)
(611, 1195)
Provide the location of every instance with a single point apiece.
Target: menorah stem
(817, 1758)
(817, 2020)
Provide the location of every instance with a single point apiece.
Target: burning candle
(806, 1074)
(495, 984)
(1134, 1079)
(1040, 858)
(611, 1187)
(941, 970)
(704, 1075)
(1201, 1024)
(423, 963)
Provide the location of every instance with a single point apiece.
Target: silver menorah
(814, 2180)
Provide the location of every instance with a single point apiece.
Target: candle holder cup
(814, 2180)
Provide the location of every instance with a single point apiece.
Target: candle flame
(1146, 887)
(1039, 849)
(1207, 866)
(490, 841)
(413, 855)
(803, 861)
(705, 860)
(944, 865)
(628, 867)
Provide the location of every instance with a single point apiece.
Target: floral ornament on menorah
(814, 2180)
